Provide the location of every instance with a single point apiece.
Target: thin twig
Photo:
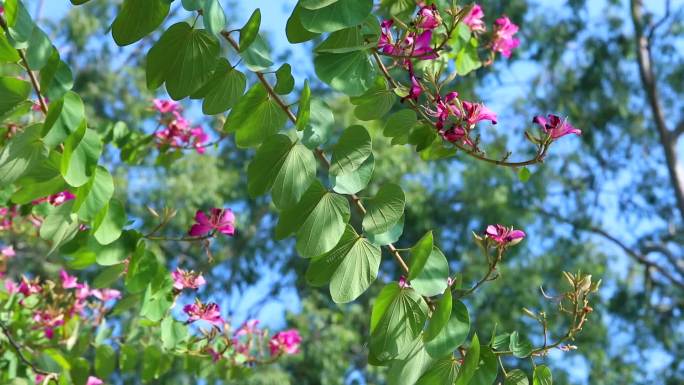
(20, 354)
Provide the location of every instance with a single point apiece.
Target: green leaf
(351, 267)
(335, 16)
(79, 159)
(304, 110)
(384, 209)
(183, 58)
(422, 136)
(172, 333)
(213, 16)
(467, 59)
(94, 195)
(287, 167)
(354, 181)
(142, 269)
(250, 30)
(542, 376)
(60, 225)
(7, 53)
(80, 367)
(408, 370)
(319, 220)
(501, 342)
(137, 19)
(320, 126)
(128, 358)
(108, 276)
(284, 81)
(524, 174)
(20, 24)
(519, 345)
(420, 253)
(191, 5)
(400, 123)
(470, 364)
(488, 369)
(56, 77)
(374, 103)
(516, 377)
(39, 49)
(108, 223)
(351, 73)
(397, 320)
(453, 334)
(257, 56)
(255, 117)
(21, 153)
(316, 4)
(432, 280)
(440, 317)
(345, 40)
(105, 360)
(64, 117)
(294, 30)
(224, 89)
(443, 371)
(351, 150)
(390, 236)
(34, 186)
(157, 301)
(12, 92)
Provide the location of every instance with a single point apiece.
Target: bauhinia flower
(415, 90)
(56, 199)
(68, 281)
(92, 380)
(164, 106)
(209, 312)
(221, 220)
(105, 295)
(413, 45)
(287, 341)
(249, 327)
(183, 279)
(555, 127)
(428, 17)
(403, 283)
(474, 19)
(8, 252)
(28, 288)
(504, 42)
(48, 320)
(504, 236)
(477, 112)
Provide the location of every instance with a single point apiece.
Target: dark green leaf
(354, 181)
(351, 73)
(284, 81)
(542, 376)
(351, 150)
(453, 334)
(420, 253)
(295, 31)
(390, 236)
(22, 153)
(105, 360)
(12, 92)
(489, 368)
(470, 364)
(250, 30)
(374, 103)
(516, 377)
(137, 19)
(224, 89)
(385, 209)
(94, 195)
(172, 333)
(335, 16)
(64, 117)
(255, 117)
(304, 110)
(443, 371)
(440, 317)
(519, 345)
(400, 123)
(60, 225)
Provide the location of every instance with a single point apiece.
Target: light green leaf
(128, 358)
(287, 167)
(384, 209)
(108, 276)
(408, 370)
(351, 267)
(304, 110)
(354, 181)
(109, 222)
(319, 220)
(183, 58)
(320, 126)
(56, 77)
(157, 301)
(191, 5)
(542, 376)
(400, 123)
(64, 117)
(60, 225)
(453, 334)
(94, 195)
(12, 92)
(344, 40)
(137, 19)
(516, 377)
(432, 280)
(250, 30)
(420, 253)
(351, 150)
(519, 345)
(172, 333)
(284, 81)
(374, 103)
(213, 16)
(39, 49)
(105, 360)
(257, 56)
(79, 159)
(224, 89)
(351, 73)
(397, 320)
(470, 364)
(23, 152)
(335, 16)
(443, 371)
(390, 236)
(294, 30)
(7, 53)
(440, 317)
(488, 369)
(255, 117)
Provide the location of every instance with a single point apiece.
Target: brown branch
(648, 80)
(320, 154)
(21, 355)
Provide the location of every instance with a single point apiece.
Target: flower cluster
(183, 279)
(219, 220)
(175, 131)
(414, 43)
(57, 303)
(209, 312)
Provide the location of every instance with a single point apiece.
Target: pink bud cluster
(57, 303)
(175, 131)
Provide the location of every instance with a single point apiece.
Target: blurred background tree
(611, 202)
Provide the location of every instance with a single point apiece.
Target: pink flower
(56, 199)
(82, 291)
(39, 377)
(428, 17)
(198, 138)
(183, 279)
(422, 48)
(445, 107)
(249, 327)
(221, 220)
(37, 107)
(8, 251)
(504, 41)
(386, 43)
(48, 321)
(164, 106)
(287, 341)
(68, 281)
(209, 312)
(415, 90)
(556, 127)
(403, 283)
(28, 288)
(11, 287)
(105, 295)
(416, 46)
(215, 356)
(477, 112)
(504, 235)
(92, 380)
(474, 19)
(457, 134)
